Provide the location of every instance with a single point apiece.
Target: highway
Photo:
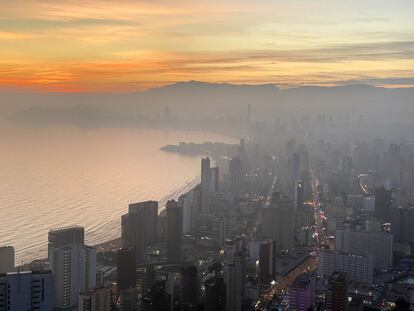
(317, 211)
(283, 284)
(310, 264)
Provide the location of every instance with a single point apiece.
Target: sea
(58, 176)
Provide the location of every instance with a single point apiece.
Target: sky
(133, 45)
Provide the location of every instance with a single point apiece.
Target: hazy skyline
(123, 46)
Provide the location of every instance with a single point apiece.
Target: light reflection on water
(62, 176)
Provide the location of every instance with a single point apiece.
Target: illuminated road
(362, 184)
(317, 210)
(272, 189)
(310, 264)
(282, 285)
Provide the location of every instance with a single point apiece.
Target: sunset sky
(124, 46)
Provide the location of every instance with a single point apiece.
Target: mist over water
(59, 176)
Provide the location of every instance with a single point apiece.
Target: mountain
(199, 100)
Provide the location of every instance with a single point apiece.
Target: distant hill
(200, 100)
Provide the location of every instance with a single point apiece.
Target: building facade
(26, 291)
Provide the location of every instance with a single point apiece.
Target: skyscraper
(234, 285)
(64, 236)
(267, 261)
(186, 201)
(383, 203)
(6, 259)
(174, 231)
(215, 299)
(337, 294)
(278, 222)
(299, 194)
(74, 271)
(189, 286)
(26, 291)
(302, 293)
(139, 227)
(205, 185)
(236, 174)
(214, 179)
(126, 268)
(218, 231)
(402, 224)
(295, 167)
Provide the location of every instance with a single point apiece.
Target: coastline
(102, 232)
(113, 244)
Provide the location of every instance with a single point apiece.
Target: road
(283, 284)
(310, 264)
(272, 189)
(320, 235)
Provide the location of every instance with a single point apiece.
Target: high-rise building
(139, 227)
(347, 166)
(377, 244)
(186, 201)
(337, 293)
(96, 299)
(236, 175)
(278, 223)
(299, 195)
(174, 231)
(74, 271)
(383, 204)
(402, 224)
(26, 291)
(295, 167)
(214, 179)
(215, 297)
(234, 285)
(357, 268)
(218, 231)
(302, 293)
(267, 261)
(242, 147)
(189, 287)
(205, 185)
(64, 236)
(6, 259)
(126, 268)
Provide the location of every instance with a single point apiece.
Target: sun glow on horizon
(124, 46)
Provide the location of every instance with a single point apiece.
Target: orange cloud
(126, 45)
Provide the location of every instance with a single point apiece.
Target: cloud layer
(117, 46)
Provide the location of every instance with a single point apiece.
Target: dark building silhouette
(215, 294)
(278, 222)
(383, 203)
(234, 273)
(189, 287)
(174, 231)
(214, 179)
(267, 261)
(337, 293)
(139, 227)
(295, 167)
(235, 172)
(158, 298)
(299, 195)
(205, 185)
(402, 224)
(126, 268)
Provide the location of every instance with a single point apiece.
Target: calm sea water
(63, 176)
